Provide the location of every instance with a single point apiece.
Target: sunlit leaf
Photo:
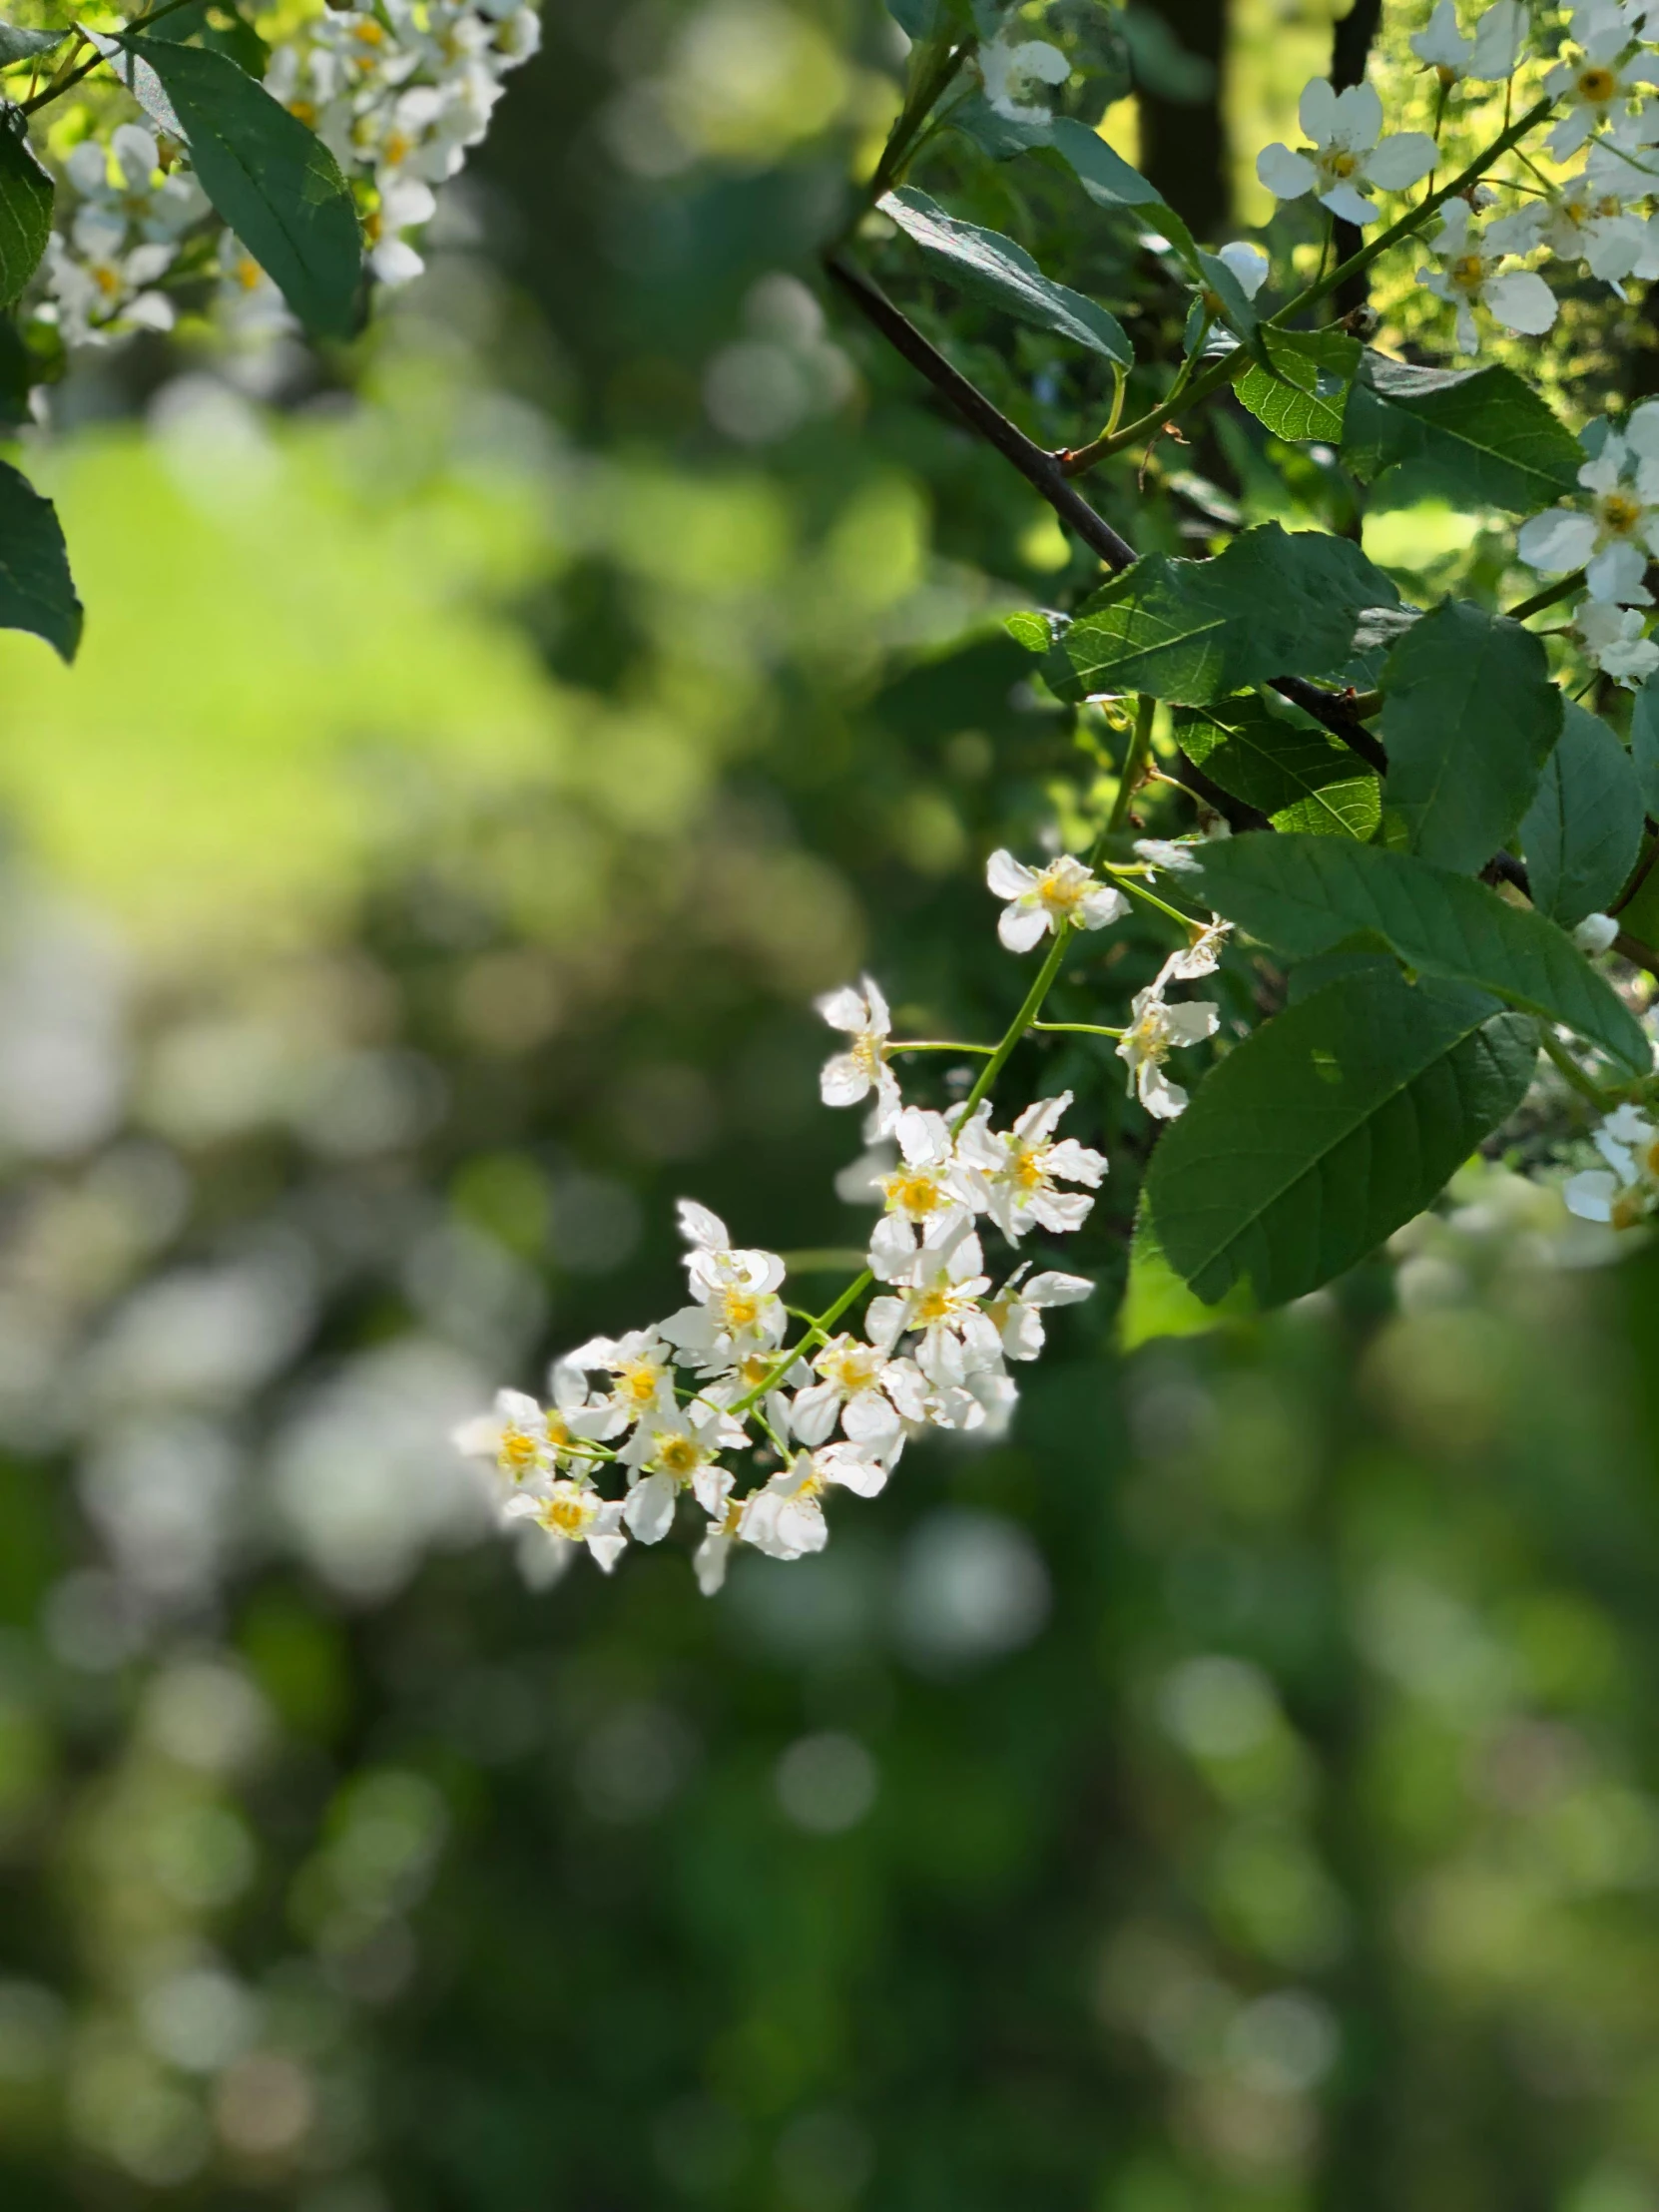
(1327, 1128)
(1307, 894)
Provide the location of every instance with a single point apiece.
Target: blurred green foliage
(1236, 1793)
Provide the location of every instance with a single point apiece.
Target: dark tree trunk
(1350, 51)
(1184, 143)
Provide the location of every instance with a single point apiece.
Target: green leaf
(37, 592)
(1306, 895)
(1469, 717)
(1480, 435)
(18, 45)
(993, 268)
(1030, 629)
(25, 208)
(1327, 1128)
(1293, 771)
(139, 79)
(275, 182)
(1307, 396)
(1583, 829)
(1272, 604)
(1156, 1303)
(1644, 743)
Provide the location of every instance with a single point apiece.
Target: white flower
(1014, 1171)
(1012, 72)
(709, 1561)
(407, 205)
(138, 196)
(785, 1518)
(738, 1314)
(1471, 275)
(1626, 1190)
(1597, 83)
(1596, 933)
(1041, 899)
(1016, 1311)
(1612, 542)
(642, 1371)
(514, 1438)
(673, 1451)
(100, 290)
(249, 302)
(1615, 642)
(1247, 264)
(871, 1395)
(1201, 957)
(1179, 860)
(928, 1196)
(1154, 1033)
(574, 1514)
(1490, 55)
(851, 1076)
(1346, 154)
(940, 1304)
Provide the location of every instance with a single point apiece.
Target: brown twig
(1044, 473)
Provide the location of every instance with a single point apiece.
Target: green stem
(1572, 1073)
(1125, 881)
(61, 84)
(1548, 597)
(932, 1044)
(1078, 1028)
(816, 1333)
(1134, 769)
(1023, 1020)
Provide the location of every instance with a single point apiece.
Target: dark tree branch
(1044, 473)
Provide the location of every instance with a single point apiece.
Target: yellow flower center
(1063, 892)
(851, 1372)
(569, 1513)
(754, 1370)
(1630, 1210)
(1028, 1168)
(1596, 85)
(1467, 273)
(866, 1055)
(1149, 1039)
(558, 1428)
(1621, 511)
(1341, 162)
(678, 1456)
(912, 1194)
(740, 1309)
(304, 110)
(932, 1306)
(397, 148)
(637, 1382)
(368, 33)
(107, 280)
(516, 1452)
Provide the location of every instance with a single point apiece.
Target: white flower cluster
(123, 238)
(1624, 1193)
(1612, 542)
(398, 92)
(695, 1404)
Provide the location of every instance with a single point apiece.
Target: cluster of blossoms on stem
(399, 92)
(1612, 540)
(713, 1406)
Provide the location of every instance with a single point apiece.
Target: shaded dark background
(1233, 1793)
